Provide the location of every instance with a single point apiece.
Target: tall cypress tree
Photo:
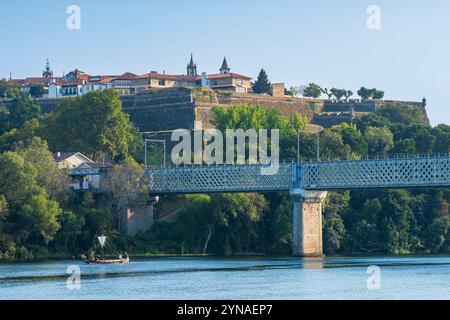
(262, 84)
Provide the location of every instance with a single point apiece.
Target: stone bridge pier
(307, 226)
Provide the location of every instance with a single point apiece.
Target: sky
(296, 42)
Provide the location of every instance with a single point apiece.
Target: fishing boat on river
(94, 258)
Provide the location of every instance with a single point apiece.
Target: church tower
(192, 68)
(48, 72)
(225, 69)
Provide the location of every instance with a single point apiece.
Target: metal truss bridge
(321, 176)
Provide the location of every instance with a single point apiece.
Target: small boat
(120, 260)
(101, 260)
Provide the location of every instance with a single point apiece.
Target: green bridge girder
(333, 175)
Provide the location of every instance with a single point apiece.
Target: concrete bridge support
(307, 226)
(139, 218)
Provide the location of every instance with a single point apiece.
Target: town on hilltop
(77, 82)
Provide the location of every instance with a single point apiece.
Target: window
(239, 82)
(162, 82)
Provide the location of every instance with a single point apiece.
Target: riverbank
(66, 257)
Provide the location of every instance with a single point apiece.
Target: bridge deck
(389, 173)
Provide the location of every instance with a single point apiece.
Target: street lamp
(163, 142)
(318, 132)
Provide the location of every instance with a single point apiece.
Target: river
(232, 278)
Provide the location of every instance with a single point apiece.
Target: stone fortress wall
(164, 110)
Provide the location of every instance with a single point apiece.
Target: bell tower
(48, 72)
(192, 67)
(225, 69)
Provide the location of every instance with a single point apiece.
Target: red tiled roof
(227, 75)
(167, 77)
(127, 75)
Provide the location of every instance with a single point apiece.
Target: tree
(348, 94)
(312, 91)
(3, 211)
(9, 89)
(47, 173)
(334, 228)
(338, 93)
(379, 140)
(364, 93)
(377, 94)
(353, 137)
(22, 110)
(292, 91)
(71, 227)
(437, 220)
(327, 93)
(39, 217)
(93, 124)
(37, 91)
(17, 179)
(262, 84)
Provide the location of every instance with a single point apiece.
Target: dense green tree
(405, 147)
(9, 89)
(352, 137)
(348, 94)
(334, 231)
(338, 93)
(39, 218)
(364, 93)
(71, 227)
(22, 110)
(437, 221)
(379, 140)
(93, 124)
(275, 226)
(262, 84)
(47, 173)
(292, 91)
(377, 94)
(37, 91)
(312, 91)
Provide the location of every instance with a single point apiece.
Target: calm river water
(236, 278)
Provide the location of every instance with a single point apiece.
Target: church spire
(48, 72)
(225, 69)
(192, 67)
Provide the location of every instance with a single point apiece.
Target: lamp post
(317, 143)
(163, 142)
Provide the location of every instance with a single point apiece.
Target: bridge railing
(333, 175)
(386, 173)
(210, 179)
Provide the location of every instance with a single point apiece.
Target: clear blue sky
(297, 42)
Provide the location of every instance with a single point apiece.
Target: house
(90, 176)
(227, 80)
(70, 160)
(86, 174)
